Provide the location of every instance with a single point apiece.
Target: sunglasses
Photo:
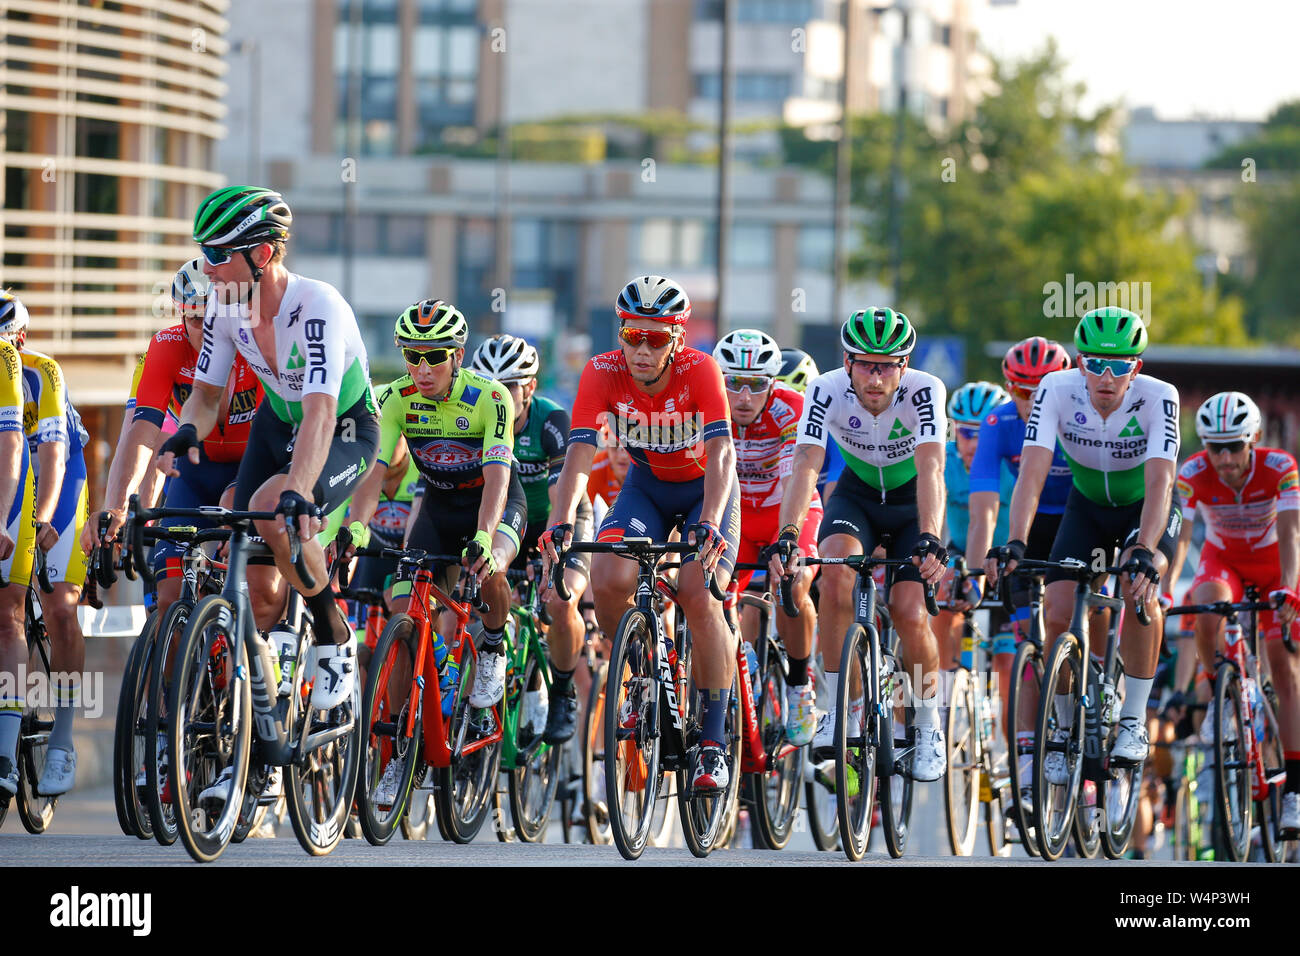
(966, 432)
(655, 338)
(1100, 366)
(220, 255)
(1020, 391)
(434, 357)
(1219, 447)
(876, 368)
(755, 383)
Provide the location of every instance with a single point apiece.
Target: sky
(1229, 59)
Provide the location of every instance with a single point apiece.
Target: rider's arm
(203, 407)
(12, 438)
(983, 518)
(555, 440)
(573, 482)
(1035, 464)
(315, 434)
(929, 487)
(365, 499)
(1288, 546)
(496, 486)
(719, 474)
(51, 433)
(1180, 553)
(801, 484)
(139, 440)
(11, 462)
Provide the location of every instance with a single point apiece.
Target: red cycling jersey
(167, 378)
(665, 432)
(1245, 521)
(765, 449)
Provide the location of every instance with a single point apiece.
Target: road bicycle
(820, 800)
(873, 687)
(1249, 761)
(228, 688)
(652, 714)
(403, 710)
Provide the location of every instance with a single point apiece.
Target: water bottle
(448, 672)
(284, 652)
(1256, 707)
(1108, 701)
(751, 663)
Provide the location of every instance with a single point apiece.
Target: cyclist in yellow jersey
(16, 540)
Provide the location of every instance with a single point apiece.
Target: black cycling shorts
(855, 509)
(445, 523)
(270, 446)
(1093, 533)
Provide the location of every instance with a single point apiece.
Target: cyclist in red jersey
(668, 408)
(166, 379)
(764, 425)
(1249, 498)
(608, 471)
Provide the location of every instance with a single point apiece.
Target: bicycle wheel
(894, 791)
(776, 792)
(132, 814)
(1055, 803)
(961, 782)
(211, 728)
(995, 816)
(663, 828)
(855, 752)
(595, 809)
(161, 816)
(1232, 777)
(34, 810)
(386, 710)
(1118, 796)
(533, 782)
(415, 821)
(1269, 810)
(1089, 820)
(1023, 697)
(319, 786)
(466, 787)
(709, 820)
(819, 785)
(632, 774)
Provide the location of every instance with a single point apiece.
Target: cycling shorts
(1261, 569)
(579, 561)
(855, 509)
(1088, 528)
(649, 507)
(17, 568)
(195, 487)
(760, 527)
(444, 524)
(65, 562)
(270, 445)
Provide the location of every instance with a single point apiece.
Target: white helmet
(1228, 416)
(748, 352)
(505, 358)
(190, 286)
(13, 314)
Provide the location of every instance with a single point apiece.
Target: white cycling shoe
(335, 674)
(1131, 744)
(1288, 821)
(59, 773)
(930, 758)
(800, 715)
(385, 794)
(1055, 767)
(489, 679)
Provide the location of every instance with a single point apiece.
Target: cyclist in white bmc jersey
(890, 424)
(1119, 433)
(315, 432)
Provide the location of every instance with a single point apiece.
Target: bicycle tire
(1232, 776)
(319, 787)
(819, 788)
(855, 756)
(961, 781)
(709, 822)
(632, 770)
(415, 821)
(776, 791)
(894, 791)
(467, 785)
(35, 811)
(382, 708)
(161, 817)
(1089, 821)
(1026, 685)
(1269, 810)
(1054, 804)
(531, 785)
(197, 755)
(130, 811)
(995, 821)
(1119, 796)
(595, 810)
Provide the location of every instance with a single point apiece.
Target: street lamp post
(724, 165)
(252, 49)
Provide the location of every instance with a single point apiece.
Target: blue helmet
(974, 400)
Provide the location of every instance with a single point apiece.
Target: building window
(676, 244)
(379, 47)
(752, 246)
(445, 60)
(816, 248)
(747, 87)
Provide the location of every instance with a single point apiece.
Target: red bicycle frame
(1236, 653)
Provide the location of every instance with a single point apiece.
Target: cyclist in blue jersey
(797, 370)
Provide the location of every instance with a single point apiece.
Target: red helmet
(1027, 362)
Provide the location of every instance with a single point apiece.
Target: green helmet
(431, 322)
(242, 215)
(1111, 331)
(878, 332)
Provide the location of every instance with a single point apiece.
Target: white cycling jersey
(318, 348)
(1106, 455)
(878, 449)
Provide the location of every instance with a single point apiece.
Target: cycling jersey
(878, 449)
(1002, 437)
(166, 378)
(17, 568)
(602, 483)
(832, 467)
(960, 484)
(539, 451)
(765, 449)
(452, 438)
(665, 433)
(1106, 455)
(48, 415)
(388, 524)
(1241, 522)
(318, 349)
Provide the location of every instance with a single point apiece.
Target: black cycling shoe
(562, 718)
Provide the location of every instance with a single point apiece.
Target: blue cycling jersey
(958, 484)
(1002, 436)
(832, 465)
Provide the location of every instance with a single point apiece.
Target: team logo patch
(496, 396)
(855, 422)
(1278, 460)
(462, 423)
(447, 454)
(1081, 418)
(1193, 466)
(412, 419)
(498, 451)
(410, 390)
(991, 420)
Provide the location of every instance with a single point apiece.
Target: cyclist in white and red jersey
(1249, 498)
(764, 427)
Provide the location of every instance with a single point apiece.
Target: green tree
(1276, 148)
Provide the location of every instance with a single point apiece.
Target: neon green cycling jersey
(451, 439)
